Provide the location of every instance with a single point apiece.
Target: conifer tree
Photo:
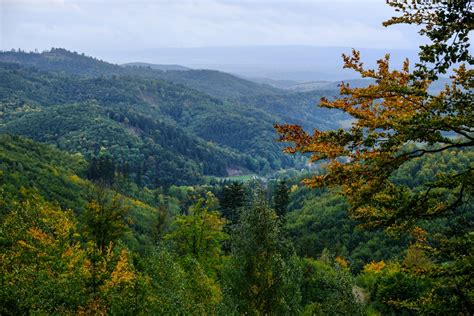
(281, 199)
(232, 199)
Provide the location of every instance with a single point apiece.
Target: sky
(94, 25)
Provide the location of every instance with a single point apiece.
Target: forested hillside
(137, 119)
(57, 214)
(95, 243)
(28, 168)
(300, 108)
(214, 83)
(171, 129)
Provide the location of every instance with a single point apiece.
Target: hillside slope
(140, 122)
(286, 106)
(163, 133)
(59, 177)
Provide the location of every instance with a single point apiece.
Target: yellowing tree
(42, 267)
(200, 233)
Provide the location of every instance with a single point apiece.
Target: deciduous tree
(263, 276)
(398, 119)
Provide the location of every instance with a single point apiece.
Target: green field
(240, 178)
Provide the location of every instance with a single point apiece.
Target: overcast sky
(92, 26)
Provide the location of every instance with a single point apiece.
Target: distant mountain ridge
(308, 86)
(212, 82)
(156, 66)
(301, 63)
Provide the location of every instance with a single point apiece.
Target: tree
(42, 266)
(232, 199)
(101, 170)
(200, 233)
(263, 276)
(105, 217)
(178, 286)
(281, 198)
(327, 289)
(45, 269)
(447, 24)
(397, 120)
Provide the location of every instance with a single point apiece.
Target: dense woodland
(143, 123)
(121, 187)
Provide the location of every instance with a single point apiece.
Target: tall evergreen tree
(281, 198)
(101, 169)
(232, 199)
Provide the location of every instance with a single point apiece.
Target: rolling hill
(161, 131)
(178, 134)
(214, 83)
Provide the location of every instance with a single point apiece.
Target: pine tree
(232, 199)
(281, 199)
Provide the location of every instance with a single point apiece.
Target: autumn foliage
(397, 118)
(390, 115)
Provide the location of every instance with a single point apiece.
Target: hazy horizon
(215, 34)
(300, 63)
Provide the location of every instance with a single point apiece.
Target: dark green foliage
(215, 83)
(60, 60)
(396, 287)
(157, 129)
(448, 33)
(101, 169)
(318, 220)
(138, 110)
(263, 276)
(231, 199)
(218, 84)
(299, 108)
(281, 198)
(59, 177)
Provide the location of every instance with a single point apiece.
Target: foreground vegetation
(74, 245)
